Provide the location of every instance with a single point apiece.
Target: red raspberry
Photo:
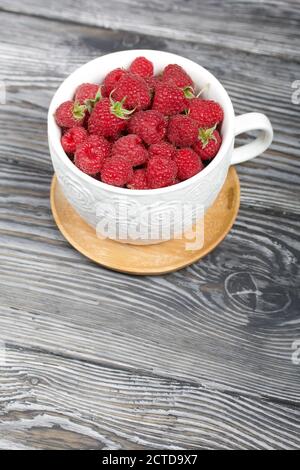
(90, 156)
(115, 138)
(88, 94)
(188, 163)
(142, 67)
(177, 75)
(133, 92)
(208, 144)
(70, 114)
(182, 131)
(138, 180)
(207, 113)
(130, 147)
(169, 99)
(111, 80)
(73, 138)
(108, 118)
(161, 172)
(152, 82)
(116, 171)
(162, 149)
(150, 125)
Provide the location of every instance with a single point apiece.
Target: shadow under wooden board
(151, 259)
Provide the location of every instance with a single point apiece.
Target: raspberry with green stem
(90, 103)
(117, 108)
(205, 135)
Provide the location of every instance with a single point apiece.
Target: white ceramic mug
(94, 201)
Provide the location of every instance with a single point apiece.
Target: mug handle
(251, 122)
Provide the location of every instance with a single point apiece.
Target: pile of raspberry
(140, 131)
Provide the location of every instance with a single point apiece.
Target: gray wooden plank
(254, 26)
(53, 402)
(205, 324)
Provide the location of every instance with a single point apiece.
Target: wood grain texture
(70, 404)
(254, 26)
(196, 359)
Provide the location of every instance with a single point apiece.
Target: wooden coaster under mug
(150, 259)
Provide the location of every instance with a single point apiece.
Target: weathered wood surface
(253, 26)
(69, 404)
(196, 359)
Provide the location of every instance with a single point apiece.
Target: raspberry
(208, 144)
(90, 156)
(142, 67)
(116, 137)
(88, 94)
(108, 118)
(177, 75)
(116, 171)
(111, 80)
(182, 131)
(140, 131)
(150, 125)
(207, 113)
(138, 180)
(162, 149)
(188, 163)
(133, 91)
(70, 114)
(161, 172)
(152, 82)
(130, 147)
(73, 138)
(169, 99)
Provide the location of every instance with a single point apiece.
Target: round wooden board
(151, 259)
